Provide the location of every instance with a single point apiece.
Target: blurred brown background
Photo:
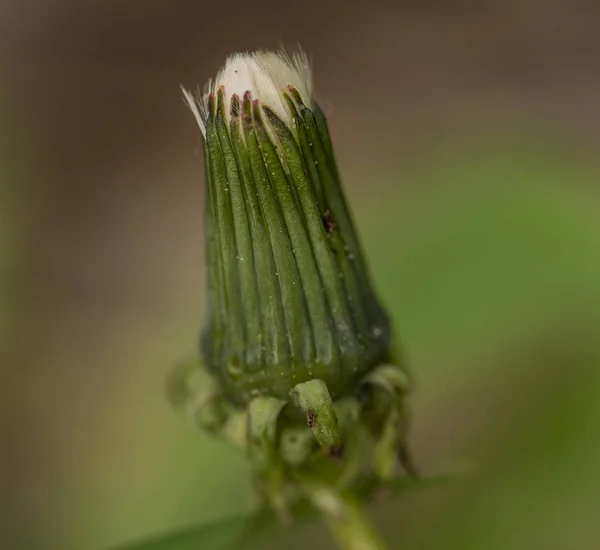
(467, 133)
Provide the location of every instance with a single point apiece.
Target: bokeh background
(467, 134)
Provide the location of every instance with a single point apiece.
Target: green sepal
(324, 266)
(244, 254)
(235, 430)
(209, 412)
(313, 123)
(385, 455)
(314, 400)
(345, 258)
(229, 300)
(316, 325)
(274, 337)
(263, 416)
(269, 190)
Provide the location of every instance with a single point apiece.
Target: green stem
(345, 517)
(353, 529)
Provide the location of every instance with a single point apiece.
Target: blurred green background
(467, 134)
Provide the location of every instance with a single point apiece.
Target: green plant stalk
(343, 514)
(353, 530)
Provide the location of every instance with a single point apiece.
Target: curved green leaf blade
(219, 535)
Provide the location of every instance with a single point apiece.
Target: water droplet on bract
(377, 332)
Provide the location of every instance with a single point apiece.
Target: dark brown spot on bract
(336, 451)
(311, 419)
(328, 222)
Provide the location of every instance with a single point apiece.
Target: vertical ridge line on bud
(313, 287)
(269, 293)
(323, 131)
(305, 146)
(323, 258)
(338, 245)
(298, 324)
(245, 255)
(318, 133)
(323, 151)
(235, 351)
(212, 335)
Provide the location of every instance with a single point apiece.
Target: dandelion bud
(289, 294)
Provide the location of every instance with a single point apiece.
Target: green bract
(290, 296)
(296, 341)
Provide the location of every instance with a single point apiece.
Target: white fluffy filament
(264, 74)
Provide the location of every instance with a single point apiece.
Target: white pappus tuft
(264, 74)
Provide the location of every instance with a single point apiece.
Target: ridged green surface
(290, 297)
